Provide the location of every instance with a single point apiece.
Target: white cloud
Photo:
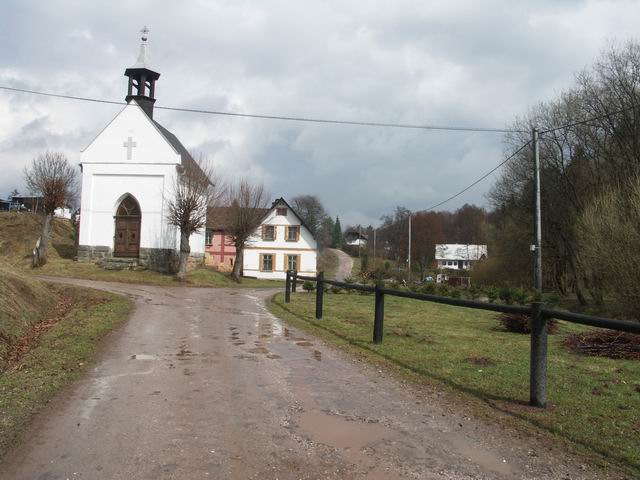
(457, 63)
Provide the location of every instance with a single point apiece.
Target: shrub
(517, 323)
(387, 265)
(551, 299)
(429, 288)
(308, 286)
(492, 294)
(349, 280)
(456, 293)
(506, 295)
(520, 296)
(474, 292)
(335, 289)
(443, 289)
(364, 262)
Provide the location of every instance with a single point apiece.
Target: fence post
(538, 385)
(287, 288)
(294, 281)
(378, 319)
(319, 294)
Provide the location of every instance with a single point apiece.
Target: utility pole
(536, 248)
(409, 259)
(374, 247)
(359, 239)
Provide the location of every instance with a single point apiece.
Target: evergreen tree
(336, 240)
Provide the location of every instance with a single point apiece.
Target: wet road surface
(205, 383)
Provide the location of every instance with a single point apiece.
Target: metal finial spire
(143, 56)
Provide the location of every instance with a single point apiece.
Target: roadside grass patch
(593, 401)
(58, 357)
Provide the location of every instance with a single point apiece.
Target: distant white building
(456, 256)
(355, 238)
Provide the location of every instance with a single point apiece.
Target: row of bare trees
(590, 175)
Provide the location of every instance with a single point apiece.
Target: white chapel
(128, 173)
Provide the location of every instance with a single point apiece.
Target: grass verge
(59, 356)
(593, 401)
(201, 277)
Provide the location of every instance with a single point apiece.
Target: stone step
(119, 263)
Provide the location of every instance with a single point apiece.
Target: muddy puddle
(350, 438)
(483, 458)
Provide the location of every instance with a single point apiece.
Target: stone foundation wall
(158, 259)
(91, 253)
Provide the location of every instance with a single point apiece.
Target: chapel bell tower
(142, 80)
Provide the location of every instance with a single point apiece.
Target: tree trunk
(237, 266)
(40, 252)
(185, 249)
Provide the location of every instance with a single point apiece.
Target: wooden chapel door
(126, 241)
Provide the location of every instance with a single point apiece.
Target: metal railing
(537, 311)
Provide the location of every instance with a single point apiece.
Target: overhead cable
(276, 117)
(481, 178)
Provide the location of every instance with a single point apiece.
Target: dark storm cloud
(443, 62)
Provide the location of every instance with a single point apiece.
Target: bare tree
(50, 176)
(248, 203)
(193, 191)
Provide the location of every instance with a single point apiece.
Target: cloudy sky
(466, 63)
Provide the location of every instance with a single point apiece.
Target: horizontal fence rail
(537, 311)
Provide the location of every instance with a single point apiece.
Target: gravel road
(205, 383)
(345, 264)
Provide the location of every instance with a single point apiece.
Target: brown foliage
(517, 323)
(605, 343)
(51, 176)
(248, 203)
(194, 190)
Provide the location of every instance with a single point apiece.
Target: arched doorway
(126, 241)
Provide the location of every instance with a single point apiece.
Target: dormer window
(281, 211)
(268, 232)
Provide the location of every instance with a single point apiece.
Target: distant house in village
(27, 203)
(355, 238)
(282, 242)
(455, 256)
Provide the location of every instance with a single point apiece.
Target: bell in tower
(142, 80)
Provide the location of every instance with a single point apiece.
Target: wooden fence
(538, 312)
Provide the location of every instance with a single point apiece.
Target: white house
(355, 238)
(128, 173)
(282, 242)
(455, 256)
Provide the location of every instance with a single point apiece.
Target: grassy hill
(19, 233)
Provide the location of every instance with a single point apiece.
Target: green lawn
(60, 355)
(594, 402)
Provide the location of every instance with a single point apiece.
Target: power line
(481, 178)
(277, 117)
(588, 120)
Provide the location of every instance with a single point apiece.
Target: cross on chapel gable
(129, 145)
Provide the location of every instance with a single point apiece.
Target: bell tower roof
(142, 78)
